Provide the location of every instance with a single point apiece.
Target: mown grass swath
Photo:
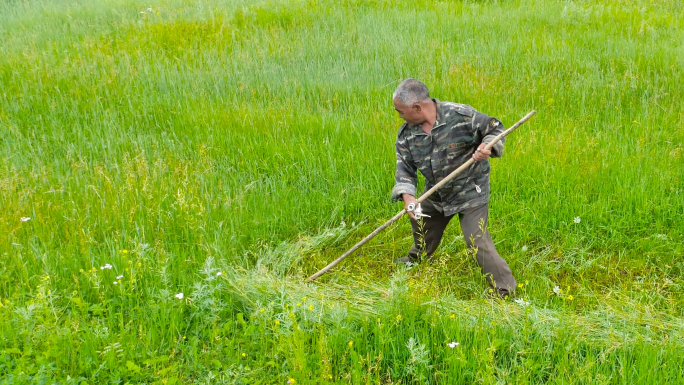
(229, 149)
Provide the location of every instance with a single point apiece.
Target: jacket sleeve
(405, 179)
(488, 128)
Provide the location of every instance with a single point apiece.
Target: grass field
(226, 150)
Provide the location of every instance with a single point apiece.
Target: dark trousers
(493, 266)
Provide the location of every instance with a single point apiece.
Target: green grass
(256, 140)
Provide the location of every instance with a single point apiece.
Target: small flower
(350, 343)
(106, 266)
(299, 304)
(179, 295)
(570, 297)
(453, 344)
(262, 310)
(524, 248)
(521, 302)
(310, 307)
(303, 299)
(124, 251)
(244, 355)
(25, 219)
(149, 9)
(398, 317)
(220, 273)
(452, 315)
(520, 285)
(291, 380)
(557, 290)
(577, 220)
(119, 276)
(277, 322)
(116, 283)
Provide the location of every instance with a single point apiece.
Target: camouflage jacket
(458, 131)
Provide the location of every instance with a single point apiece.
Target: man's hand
(481, 153)
(407, 200)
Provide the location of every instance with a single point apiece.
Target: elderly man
(437, 138)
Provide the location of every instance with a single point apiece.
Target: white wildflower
(661, 236)
(106, 266)
(557, 290)
(149, 9)
(524, 248)
(25, 219)
(119, 276)
(521, 302)
(577, 220)
(116, 283)
(179, 296)
(453, 344)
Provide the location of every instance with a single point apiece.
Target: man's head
(412, 101)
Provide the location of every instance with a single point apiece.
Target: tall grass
(255, 140)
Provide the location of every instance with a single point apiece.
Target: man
(437, 138)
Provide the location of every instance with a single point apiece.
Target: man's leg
(427, 232)
(498, 273)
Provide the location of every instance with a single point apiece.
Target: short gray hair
(411, 91)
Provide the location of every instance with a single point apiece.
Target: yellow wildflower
(310, 307)
(277, 322)
(398, 317)
(351, 343)
(570, 297)
(244, 355)
(299, 304)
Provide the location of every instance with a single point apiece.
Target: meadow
(171, 172)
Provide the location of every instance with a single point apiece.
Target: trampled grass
(226, 150)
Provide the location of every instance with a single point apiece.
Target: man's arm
(488, 128)
(406, 177)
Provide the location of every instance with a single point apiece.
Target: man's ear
(417, 107)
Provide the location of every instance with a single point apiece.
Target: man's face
(411, 114)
